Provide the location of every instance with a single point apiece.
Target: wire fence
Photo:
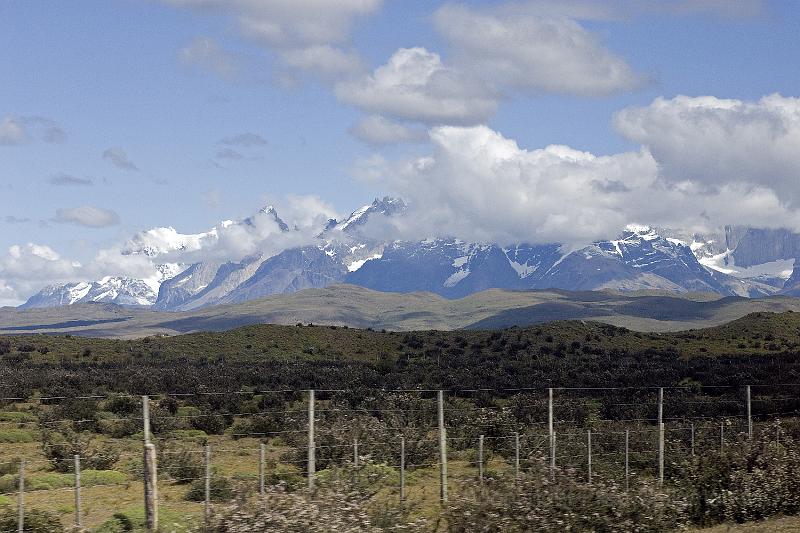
(82, 455)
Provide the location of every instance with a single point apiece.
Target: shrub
(565, 504)
(119, 523)
(281, 511)
(16, 435)
(36, 521)
(749, 481)
(16, 416)
(181, 464)
(221, 490)
(10, 466)
(60, 447)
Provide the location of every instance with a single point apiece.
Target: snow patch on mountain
(355, 265)
(455, 277)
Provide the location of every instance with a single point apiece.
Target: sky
(524, 121)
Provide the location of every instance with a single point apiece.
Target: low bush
(281, 511)
(181, 464)
(17, 435)
(746, 481)
(61, 446)
(565, 504)
(36, 521)
(16, 416)
(10, 466)
(221, 490)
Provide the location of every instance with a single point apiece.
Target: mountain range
(736, 261)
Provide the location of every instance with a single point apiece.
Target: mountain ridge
(348, 251)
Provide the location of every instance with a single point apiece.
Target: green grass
(55, 480)
(17, 435)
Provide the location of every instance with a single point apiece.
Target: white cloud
(415, 85)
(324, 59)
(119, 158)
(26, 268)
(480, 186)
(716, 142)
(18, 130)
(8, 296)
(306, 34)
(87, 216)
(376, 129)
(532, 50)
(206, 53)
(627, 9)
(12, 132)
(307, 211)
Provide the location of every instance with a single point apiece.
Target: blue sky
(157, 86)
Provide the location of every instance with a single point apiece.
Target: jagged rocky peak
(386, 206)
(111, 289)
(270, 212)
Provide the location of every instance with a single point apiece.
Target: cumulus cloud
(206, 53)
(87, 216)
(627, 9)
(18, 130)
(68, 180)
(717, 142)
(324, 59)
(306, 34)
(119, 158)
(8, 296)
(415, 85)
(26, 268)
(377, 130)
(478, 185)
(532, 50)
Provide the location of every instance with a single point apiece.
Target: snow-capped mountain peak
(386, 206)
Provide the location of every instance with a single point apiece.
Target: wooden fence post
(262, 469)
(150, 487)
(480, 459)
(589, 455)
(442, 449)
(551, 433)
(150, 470)
(722, 435)
(21, 498)
(627, 462)
(207, 500)
(749, 415)
(402, 469)
(312, 462)
(661, 436)
(661, 453)
(78, 513)
(146, 419)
